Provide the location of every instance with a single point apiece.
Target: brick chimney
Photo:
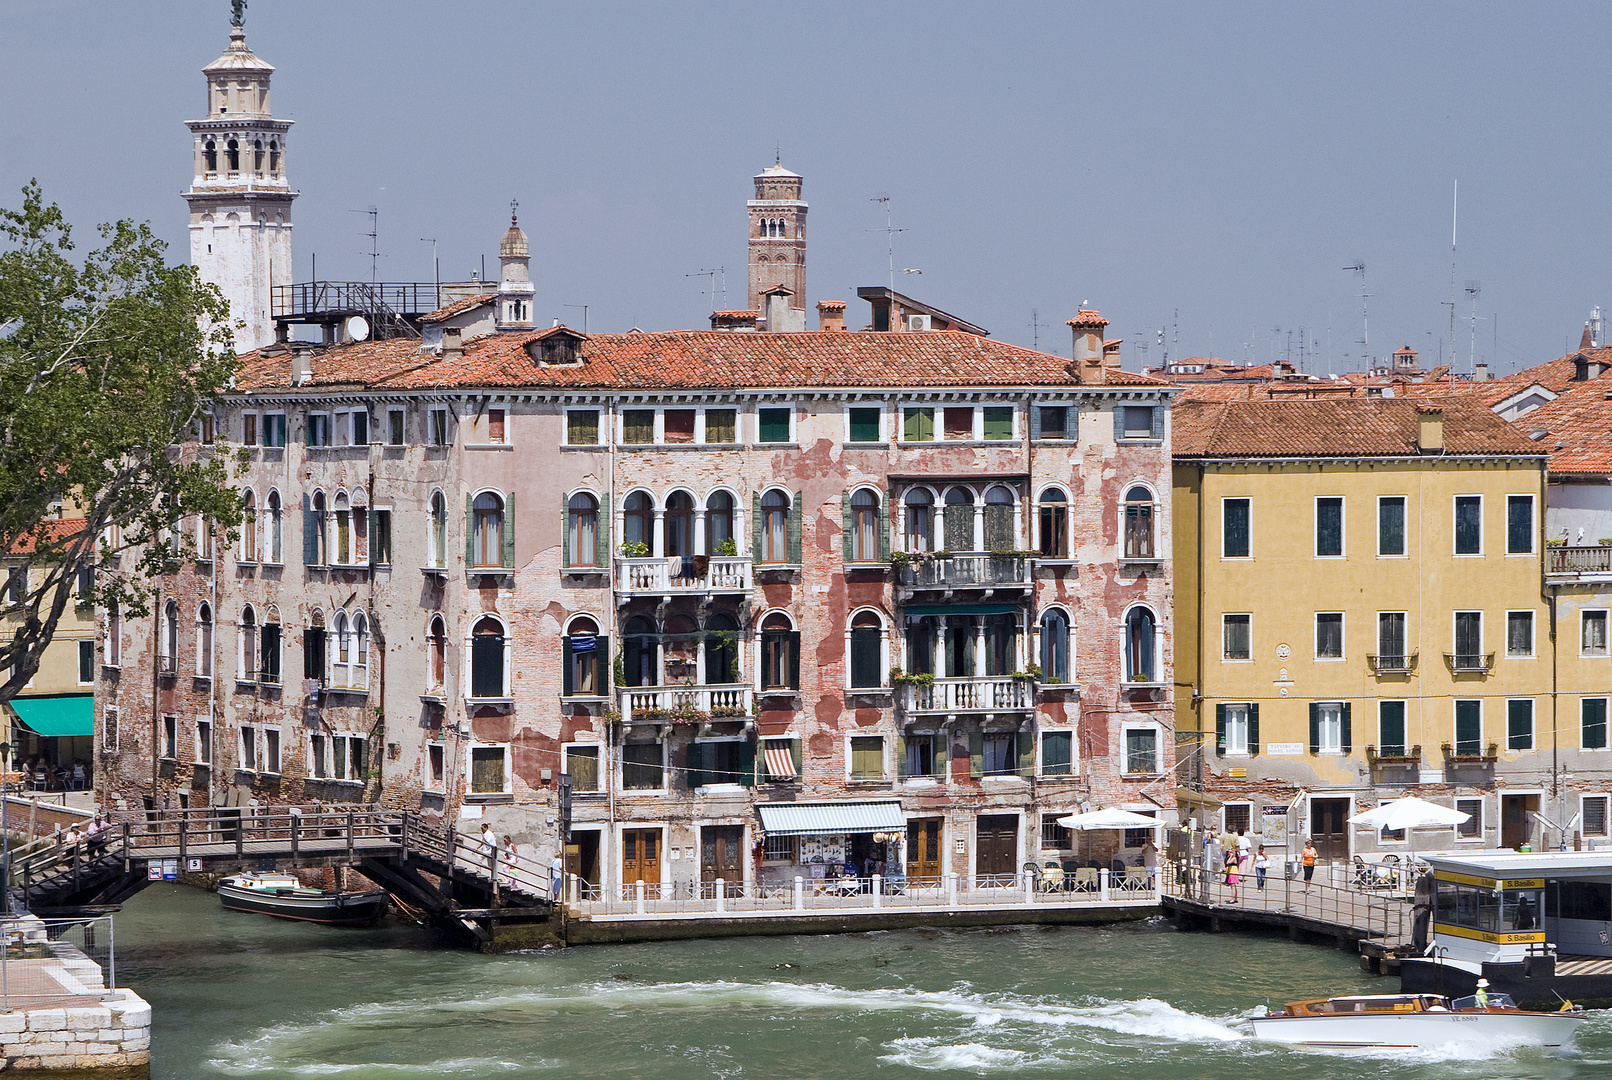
(1430, 430)
(453, 345)
(831, 315)
(1088, 330)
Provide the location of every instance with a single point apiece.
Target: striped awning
(832, 818)
(780, 763)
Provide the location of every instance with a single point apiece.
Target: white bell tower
(240, 202)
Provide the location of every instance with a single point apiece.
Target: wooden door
(722, 853)
(1328, 829)
(1517, 819)
(640, 856)
(998, 840)
(923, 848)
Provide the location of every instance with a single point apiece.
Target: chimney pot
(830, 315)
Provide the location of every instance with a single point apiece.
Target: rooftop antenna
(713, 275)
(584, 308)
(1359, 267)
(1473, 287)
(1035, 329)
(1455, 203)
(436, 267)
(374, 248)
(889, 237)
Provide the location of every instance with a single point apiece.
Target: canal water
(239, 995)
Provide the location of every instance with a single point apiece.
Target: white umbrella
(1112, 818)
(1409, 813)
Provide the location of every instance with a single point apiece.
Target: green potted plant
(727, 547)
(635, 549)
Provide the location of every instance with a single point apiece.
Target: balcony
(692, 576)
(950, 572)
(1393, 755)
(1386, 664)
(1578, 561)
(990, 693)
(1471, 754)
(1470, 663)
(687, 704)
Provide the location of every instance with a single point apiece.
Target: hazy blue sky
(1223, 161)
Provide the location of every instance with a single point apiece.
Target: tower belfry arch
(778, 243)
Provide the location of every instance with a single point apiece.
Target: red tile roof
(1087, 318)
(1336, 427)
(1578, 430)
(49, 531)
(448, 311)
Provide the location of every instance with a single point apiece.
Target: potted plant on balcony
(686, 715)
(635, 549)
(727, 548)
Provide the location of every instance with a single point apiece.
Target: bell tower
(778, 243)
(240, 201)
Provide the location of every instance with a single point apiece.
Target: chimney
(1430, 430)
(1088, 330)
(453, 345)
(777, 312)
(1111, 352)
(301, 365)
(1480, 373)
(831, 315)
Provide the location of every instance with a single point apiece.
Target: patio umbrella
(1409, 813)
(1112, 818)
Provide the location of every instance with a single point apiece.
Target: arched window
(586, 657)
(344, 530)
(959, 519)
(257, 155)
(439, 529)
(249, 527)
(170, 637)
(276, 530)
(210, 155)
(920, 531)
(317, 522)
(269, 654)
(436, 638)
(360, 651)
(864, 528)
(867, 649)
(246, 655)
(636, 516)
(1139, 523)
(232, 155)
(1001, 644)
(1139, 642)
(274, 159)
(1054, 540)
(780, 653)
(1054, 646)
(680, 643)
(1000, 534)
(775, 527)
(640, 646)
(721, 649)
(204, 640)
(960, 646)
(487, 659)
(719, 524)
(313, 647)
(582, 529)
(677, 525)
(488, 542)
(921, 644)
(341, 670)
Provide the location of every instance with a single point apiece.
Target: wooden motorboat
(282, 895)
(1417, 1020)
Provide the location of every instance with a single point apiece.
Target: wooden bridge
(451, 880)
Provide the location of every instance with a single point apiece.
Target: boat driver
(1481, 998)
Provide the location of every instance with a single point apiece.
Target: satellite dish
(358, 328)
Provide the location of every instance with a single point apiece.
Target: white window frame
(618, 769)
(205, 725)
(1405, 538)
(1237, 748)
(1040, 764)
(321, 421)
(700, 438)
(884, 756)
(934, 429)
(1456, 804)
(1455, 517)
(1249, 499)
(1124, 748)
(1332, 747)
(170, 737)
(82, 666)
(1533, 517)
(275, 421)
(431, 432)
(1533, 647)
(1606, 816)
(600, 427)
(794, 423)
(257, 429)
(403, 427)
(1482, 628)
(599, 762)
(1225, 659)
(725, 785)
(1343, 638)
(1607, 713)
(469, 643)
(1606, 650)
(1343, 527)
(279, 750)
(432, 782)
(879, 407)
(247, 748)
(1533, 728)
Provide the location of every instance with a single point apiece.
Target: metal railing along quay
(1371, 902)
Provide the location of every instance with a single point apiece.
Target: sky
(1201, 173)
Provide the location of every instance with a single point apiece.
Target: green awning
(919, 610)
(58, 715)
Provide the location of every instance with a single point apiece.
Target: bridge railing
(510, 874)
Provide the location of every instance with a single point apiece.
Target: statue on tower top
(237, 13)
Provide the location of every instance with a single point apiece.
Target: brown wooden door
(923, 848)
(640, 856)
(1517, 819)
(998, 851)
(722, 853)
(1328, 829)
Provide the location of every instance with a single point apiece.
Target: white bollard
(1102, 883)
(878, 891)
(638, 896)
(1029, 886)
(951, 888)
(576, 890)
(800, 893)
(721, 896)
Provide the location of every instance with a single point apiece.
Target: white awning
(831, 818)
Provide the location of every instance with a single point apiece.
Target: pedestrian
(1245, 851)
(1232, 874)
(556, 872)
(80, 776)
(489, 848)
(509, 863)
(1261, 864)
(1150, 860)
(1308, 857)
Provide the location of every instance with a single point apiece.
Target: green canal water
(240, 995)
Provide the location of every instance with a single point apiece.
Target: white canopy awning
(1409, 813)
(1112, 818)
(832, 818)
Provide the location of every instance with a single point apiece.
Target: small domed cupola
(515, 289)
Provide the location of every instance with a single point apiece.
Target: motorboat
(282, 895)
(1417, 1020)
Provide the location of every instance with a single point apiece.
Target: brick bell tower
(240, 200)
(778, 243)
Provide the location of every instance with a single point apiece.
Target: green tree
(107, 368)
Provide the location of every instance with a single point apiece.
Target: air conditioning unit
(917, 322)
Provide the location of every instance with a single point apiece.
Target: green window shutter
(1023, 756)
(755, 526)
(1347, 737)
(795, 512)
(794, 754)
(1315, 728)
(508, 554)
(1035, 421)
(901, 757)
(998, 422)
(794, 660)
(695, 772)
(1220, 729)
(602, 658)
(1253, 728)
(1119, 423)
(884, 528)
(565, 530)
(310, 534)
(941, 757)
(909, 425)
(1071, 423)
(747, 764)
(845, 519)
(976, 754)
(1158, 421)
(601, 537)
(470, 530)
(567, 687)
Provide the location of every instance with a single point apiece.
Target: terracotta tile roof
(1578, 430)
(1087, 318)
(448, 311)
(1554, 375)
(49, 531)
(693, 359)
(741, 313)
(1336, 427)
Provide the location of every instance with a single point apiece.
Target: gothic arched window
(232, 155)
(210, 155)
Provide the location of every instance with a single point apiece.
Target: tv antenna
(889, 231)
(584, 308)
(1359, 267)
(1473, 288)
(1455, 204)
(1035, 329)
(374, 247)
(716, 279)
(436, 267)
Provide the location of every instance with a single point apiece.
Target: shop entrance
(640, 856)
(1328, 830)
(998, 844)
(1517, 820)
(582, 856)
(722, 853)
(923, 848)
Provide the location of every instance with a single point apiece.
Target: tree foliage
(107, 367)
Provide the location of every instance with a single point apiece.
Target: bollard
(800, 893)
(1102, 884)
(576, 890)
(721, 896)
(638, 898)
(951, 888)
(878, 891)
(1029, 886)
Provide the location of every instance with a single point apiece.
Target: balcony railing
(1462, 663)
(1394, 755)
(686, 704)
(1392, 664)
(1596, 559)
(976, 694)
(964, 572)
(695, 574)
(1471, 754)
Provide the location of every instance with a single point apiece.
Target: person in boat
(1233, 873)
(1481, 997)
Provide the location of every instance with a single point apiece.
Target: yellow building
(1360, 615)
